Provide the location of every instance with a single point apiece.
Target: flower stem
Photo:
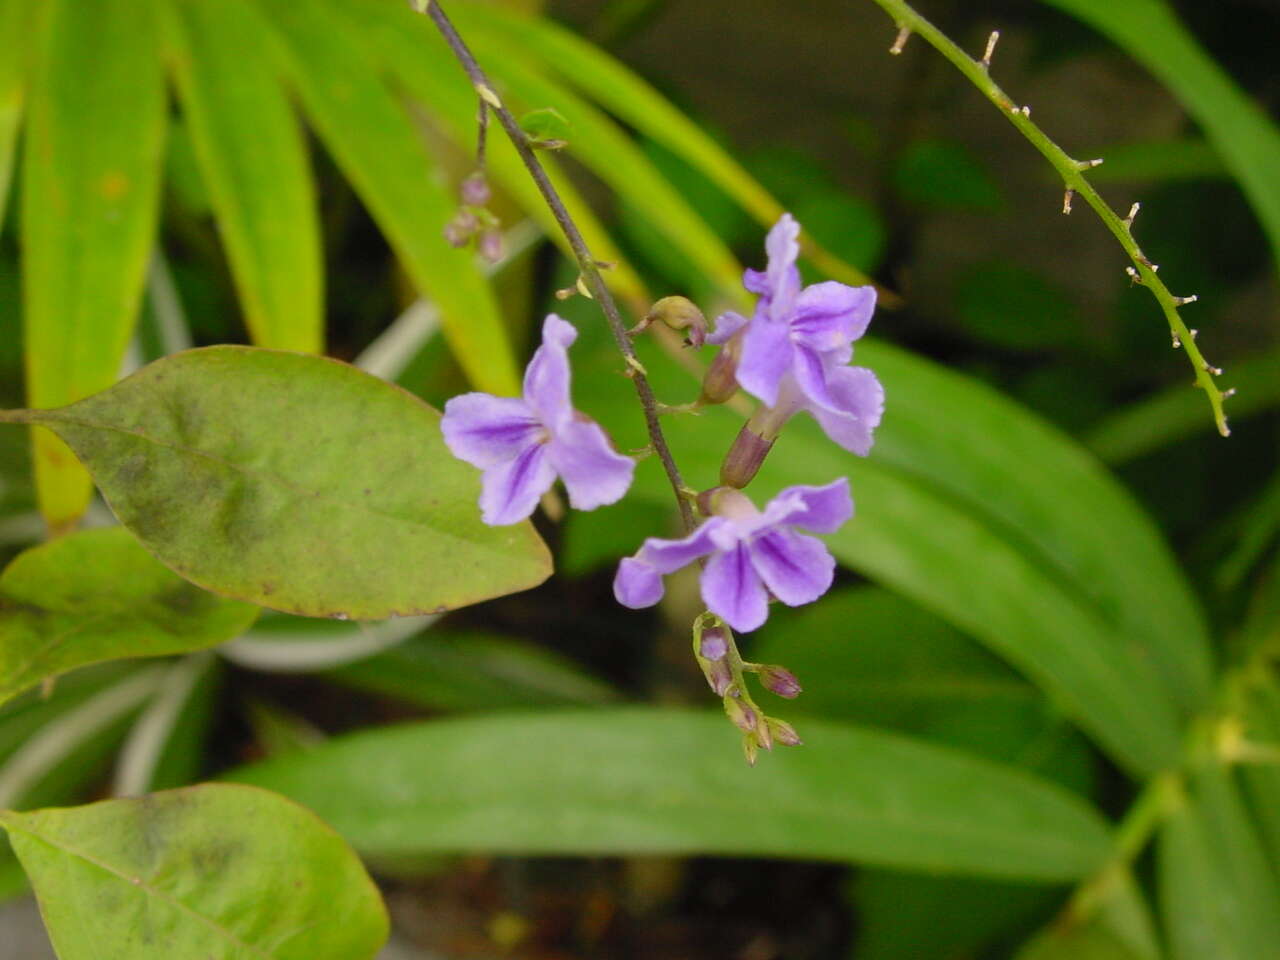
(1143, 270)
(587, 264)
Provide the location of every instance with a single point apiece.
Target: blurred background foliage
(1057, 564)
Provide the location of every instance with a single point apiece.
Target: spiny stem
(587, 264)
(1071, 171)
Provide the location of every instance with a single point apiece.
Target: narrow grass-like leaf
(1218, 892)
(1242, 133)
(374, 141)
(91, 177)
(217, 870)
(98, 595)
(253, 158)
(14, 40)
(665, 781)
(297, 483)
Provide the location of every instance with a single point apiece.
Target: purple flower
(523, 444)
(793, 353)
(753, 554)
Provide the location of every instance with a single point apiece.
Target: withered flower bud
(719, 677)
(680, 313)
(743, 717)
(780, 680)
(461, 228)
(783, 733)
(713, 644)
(744, 458)
(475, 189)
(720, 382)
(490, 245)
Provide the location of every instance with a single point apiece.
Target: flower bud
(780, 680)
(680, 313)
(490, 245)
(744, 458)
(764, 736)
(743, 716)
(749, 749)
(713, 643)
(461, 228)
(719, 383)
(475, 190)
(719, 676)
(783, 733)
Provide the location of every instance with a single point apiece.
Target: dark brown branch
(586, 262)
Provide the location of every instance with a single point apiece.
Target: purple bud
(490, 245)
(720, 383)
(783, 733)
(719, 676)
(713, 644)
(461, 228)
(744, 458)
(780, 680)
(475, 190)
(743, 717)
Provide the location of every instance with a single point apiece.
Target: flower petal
(593, 472)
(811, 370)
(637, 584)
(783, 278)
(830, 315)
(796, 569)
(485, 430)
(860, 401)
(732, 590)
(667, 556)
(510, 491)
(766, 356)
(546, 379)
(820, 509)
(727, 324)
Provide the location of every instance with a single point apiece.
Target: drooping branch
(1142, 271)
(588, 268)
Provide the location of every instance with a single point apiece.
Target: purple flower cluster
(792, 354)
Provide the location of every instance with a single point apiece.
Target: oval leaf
(98, 595)
(297, 483)
(670, 782)
(209, 871)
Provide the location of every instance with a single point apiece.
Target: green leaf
(98, 595)
(1218, 892)
(215, 870)
(1012, 307)
(467, 671)
(91, 178)
(296, 483)
(983, 514)
(378, 147)
(546, 128)
(1239, 129)
(253, 159)
(1159, 161)
(1177, 413)
(944, 175)
(1262, 724)
(14, 39)
(672, 782)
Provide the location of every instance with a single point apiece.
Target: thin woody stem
(590, 273)
(1143, 270)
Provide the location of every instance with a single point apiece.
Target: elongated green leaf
(217, 870)
(253, 159)
(297, 483)
(665, 781)
(505, 35)
(14, 41)
(376, 144)
(1218, 892)
(98, 595)
(1242, 133)
(1177, 413)
(408, 46)
(1262, 780)
(451, 671)
(91, 173)
(981, 513)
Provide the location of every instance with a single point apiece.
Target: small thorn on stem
(1088, 164)
(991, 48)
(1134, 276)
(1183, 301)
(1133, 212)
(1066, 200)
(904, 34)
(1211, 370)
(1228, 393)
(634, 366)
(606, 264)
(1025, 111)
(1177, 341)
(566, 293)
(488, 96)
(582, 288)
(1194, 333)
